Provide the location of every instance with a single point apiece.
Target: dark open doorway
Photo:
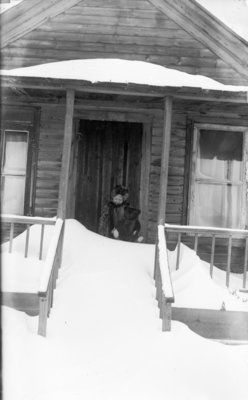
(109, 153)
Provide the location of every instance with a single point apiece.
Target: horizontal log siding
(133, 30)
(51, 142)
(211, 113)
(49, 161)
(176, 173)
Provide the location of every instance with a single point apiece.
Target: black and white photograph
(124, 199)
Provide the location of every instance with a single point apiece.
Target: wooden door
(109, 153)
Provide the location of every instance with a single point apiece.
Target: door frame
(146, 121)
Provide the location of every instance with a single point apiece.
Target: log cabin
(181, 148)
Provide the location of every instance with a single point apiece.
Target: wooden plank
(228, 268)
(120, 19)
(132, 36)
(145, 178)
(36, 14)
(27, 302)
(129, 89)
(245, 263)
(214, 324)
(26, 220)
(43, 312)
(172, 52)
(64, 175)
(165, 160)
(127, 4)
(208, 231)
(208, 30)
(117, 11)
(11, 235)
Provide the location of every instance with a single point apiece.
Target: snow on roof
(120, 71)
(234, 14)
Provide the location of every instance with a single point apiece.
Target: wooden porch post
(165, 160)
(65, 167)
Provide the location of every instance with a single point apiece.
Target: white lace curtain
(218, 179)
(15, 149)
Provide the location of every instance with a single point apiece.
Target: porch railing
(13, 220)
(50, 275)
(51, 263)
(164, 289)
(227, 236)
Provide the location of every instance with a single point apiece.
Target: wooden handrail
(164, 292)
(49, 276)
(164, 266)
(28, 221)
(20, 219)
(207, 230)
(52, 261)
(212, 232)
(49, 262)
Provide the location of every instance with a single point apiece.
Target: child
(118, 220)
(113, 212)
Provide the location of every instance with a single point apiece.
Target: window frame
(197, 127)
(16, 174)
(31, 126)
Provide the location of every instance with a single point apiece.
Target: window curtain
(14, 172)
(218, 179)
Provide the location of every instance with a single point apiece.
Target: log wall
(49, 160)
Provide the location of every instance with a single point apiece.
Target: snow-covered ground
(104, 338)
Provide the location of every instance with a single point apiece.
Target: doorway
(109, 153)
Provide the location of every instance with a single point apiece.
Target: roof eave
(130, 89)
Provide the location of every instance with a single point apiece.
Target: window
(217, 190)
(14, 169)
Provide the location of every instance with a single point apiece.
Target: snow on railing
(212, 233)
(50, 275)
(51, 263)
(27, 222)
(164, 289)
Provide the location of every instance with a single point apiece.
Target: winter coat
(129, 226)
(111, 216)
(121, 217)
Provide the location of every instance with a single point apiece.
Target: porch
(152, 148)
(217, 322)
(168, 116)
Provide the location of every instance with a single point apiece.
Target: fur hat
(119, 189)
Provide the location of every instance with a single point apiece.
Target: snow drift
(104, 335)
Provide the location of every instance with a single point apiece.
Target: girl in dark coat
(118, 220)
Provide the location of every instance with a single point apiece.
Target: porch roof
(121, 77)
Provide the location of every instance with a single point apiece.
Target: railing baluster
(166, 325)
(156, 261)
(212, 256)
(41, 241)
(43, 310)
(245, 263)
(27, 241)
(11, 235)
(178, 250)
(228, 270)
(196, 242)
(225, 234)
